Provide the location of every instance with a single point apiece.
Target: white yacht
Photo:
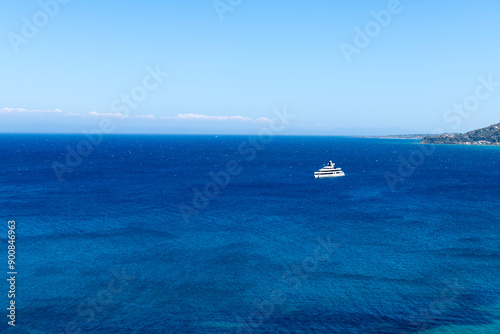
(328, 171)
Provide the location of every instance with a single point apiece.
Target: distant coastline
(419, 136)
(489, 136)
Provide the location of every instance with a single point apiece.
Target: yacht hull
(318, 176)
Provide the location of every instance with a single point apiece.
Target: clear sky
(230, 65)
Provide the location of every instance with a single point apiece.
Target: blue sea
(232, 234)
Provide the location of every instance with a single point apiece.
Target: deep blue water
(274, 251)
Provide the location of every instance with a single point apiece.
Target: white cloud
(187, 116)
(191, 116)
(22, 110)
(150, 116)
(119, 115)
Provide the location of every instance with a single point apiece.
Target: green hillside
(486, 136)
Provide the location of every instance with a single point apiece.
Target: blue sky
(228, 75)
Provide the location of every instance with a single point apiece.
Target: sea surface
(129, 242)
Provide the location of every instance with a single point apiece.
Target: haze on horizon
(341, 68)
